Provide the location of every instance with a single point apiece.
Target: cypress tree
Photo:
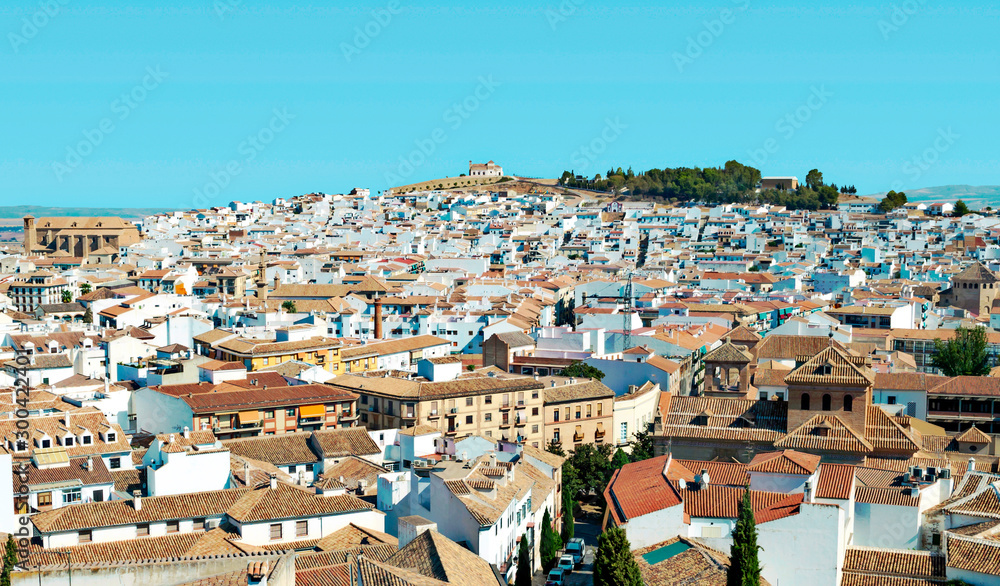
(568, 528)
(550, 544)
(523, 576)
(613, 562)
(9, 561)
(744, 565)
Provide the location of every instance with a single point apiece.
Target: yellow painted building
(258, 354)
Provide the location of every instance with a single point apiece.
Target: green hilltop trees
(732, 183)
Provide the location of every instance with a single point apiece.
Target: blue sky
(204, 102)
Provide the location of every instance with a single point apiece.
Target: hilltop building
(490, 169)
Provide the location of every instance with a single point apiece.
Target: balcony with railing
(433, 414)
(521, 405)
(505, 406)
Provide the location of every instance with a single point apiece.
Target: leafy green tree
(619, 459)
(550, 543)
(613, 562)
(591, 466)
(523, 576)
(289, 306)
(642, 446)
(963, 355)
(88, 316)
(569, 524)
(814, 179)
(960, 209)
(85, 288)
(67, 297)
(554, 448)
(891, 201)
(581, 369)
(744, 563)
(10, 559)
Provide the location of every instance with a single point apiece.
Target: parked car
(555, 577)
(566, 563)
(576, 549)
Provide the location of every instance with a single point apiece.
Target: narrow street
(584, 575)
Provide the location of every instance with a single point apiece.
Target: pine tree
(550, 544)
(568, 528)
(744, 565)
(523, 576)
(613, 562)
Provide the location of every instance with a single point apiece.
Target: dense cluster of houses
(366, 387)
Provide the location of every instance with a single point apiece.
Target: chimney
(187, 432)
(66, 415)
(378, 319)
(90, 463)
(808, 493)
(704, 479)
(171, 439)
(972, 464)
(302, 477)
(257, 573)
(137, 500)
(274, 481)
(107, 385)
(552, 383)
(246, 473)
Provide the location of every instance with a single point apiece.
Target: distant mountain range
(976, 196)
(9, 212)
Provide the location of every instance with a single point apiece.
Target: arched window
(848, 402)
(827, 400)
(805, 401)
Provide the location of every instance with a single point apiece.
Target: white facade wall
(804, 548)
(183, 473)
(8, 518)
(784, 483)
(124, 532)
(904, 398)
(159, 413)
(656, 527)
(887, 526)
(260, 533)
